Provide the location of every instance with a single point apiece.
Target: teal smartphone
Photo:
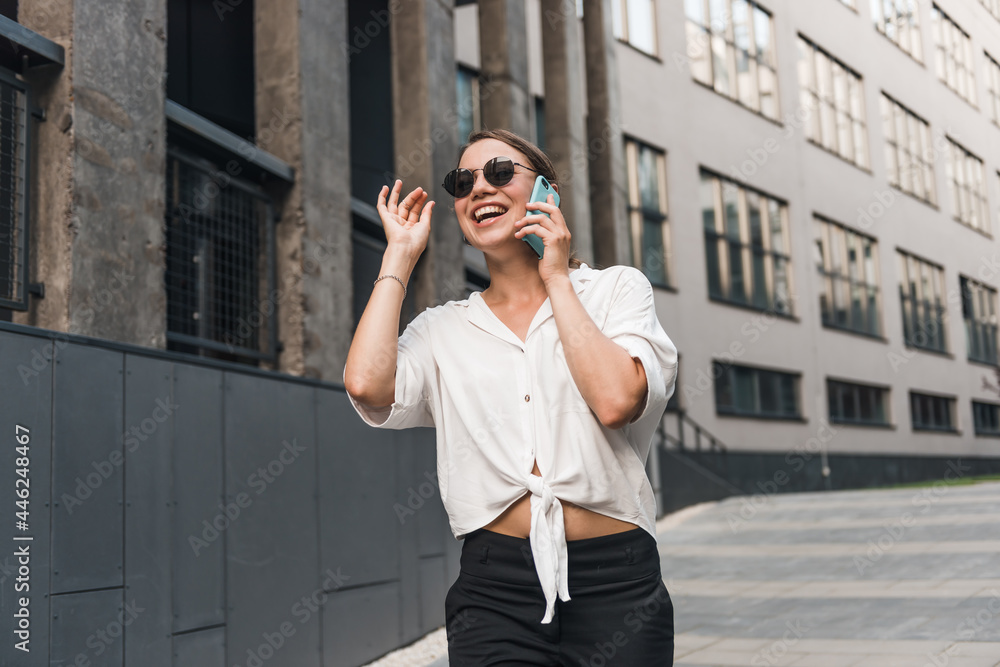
(540, 193)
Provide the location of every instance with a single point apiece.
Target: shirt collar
(480, 315)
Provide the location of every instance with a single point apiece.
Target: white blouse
(499, 403)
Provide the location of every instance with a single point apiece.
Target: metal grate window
(221, 296)
(13, 192)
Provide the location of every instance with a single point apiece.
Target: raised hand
(407, 224)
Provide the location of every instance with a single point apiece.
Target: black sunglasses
(498, 172)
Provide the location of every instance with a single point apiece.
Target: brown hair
(537, 160)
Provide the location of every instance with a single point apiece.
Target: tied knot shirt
(499, 403)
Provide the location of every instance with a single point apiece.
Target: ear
(555, 187)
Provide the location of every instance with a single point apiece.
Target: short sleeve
(414, 370)
(633, 324)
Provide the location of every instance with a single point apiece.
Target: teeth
(489, 209)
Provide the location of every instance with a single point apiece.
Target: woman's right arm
(370, 372)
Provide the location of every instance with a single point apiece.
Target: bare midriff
(581, 523)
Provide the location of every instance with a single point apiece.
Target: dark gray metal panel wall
(356, 627)
(356, 472)
(149, 424)
(272, 547)
(198, 553)
(88, 628)
(26, 378)
(87, 486)
(206, 648)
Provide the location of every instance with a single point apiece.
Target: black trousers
(619, 613)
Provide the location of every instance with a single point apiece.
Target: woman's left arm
(612, 382)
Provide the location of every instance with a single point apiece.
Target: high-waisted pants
(619, 611)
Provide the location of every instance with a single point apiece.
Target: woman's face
(497, 231)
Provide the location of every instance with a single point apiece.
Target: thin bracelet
(389, 275)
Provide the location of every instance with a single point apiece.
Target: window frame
(638, 215)
(975, 297)
(721, 238)
(892, 110)
(827, 132)
(728, 370)
(913, 27)
(945, 62)
(882, 391)
(20, 247)
(927, 272)
(949, 403)
(852, 239)
(962, 194)
(977, 422)
(623, 24)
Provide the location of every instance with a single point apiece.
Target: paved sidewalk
(848, 579)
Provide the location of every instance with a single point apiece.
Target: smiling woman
(545, 390)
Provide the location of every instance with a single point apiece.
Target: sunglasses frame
(491, 165)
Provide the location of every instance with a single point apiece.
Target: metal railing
(220, 273)
(681, 441)
(14, 137)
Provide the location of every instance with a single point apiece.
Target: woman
(545, 390)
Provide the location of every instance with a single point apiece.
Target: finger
(394, 195)
(532, 228)
(425, 214)
(380, 203)
(417, 205)
(407, 204)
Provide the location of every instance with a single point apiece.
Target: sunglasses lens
(458, 182)
(499, 171)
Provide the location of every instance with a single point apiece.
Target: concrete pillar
(303, 117)
(100, 186)
(51, 200)
(425, 136)
(503, 49)
(565, 130)
(608, 193)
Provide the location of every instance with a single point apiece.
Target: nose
(480, 184)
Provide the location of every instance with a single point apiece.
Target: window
(849, 265)
(539, 124)
(731, 47)
(469, 114)
(852, 403)
(647, 211)
(986, 418)
(833, 98)
(909, 153)
(634, 21)
(754, 392)
(993, 88)
(921, 290)
(979, 310)
(993, 6)
(931, 413)
(899, 20)
(967, 187)
(953, 60)
(14, 231)
(746, 246)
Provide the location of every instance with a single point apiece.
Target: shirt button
(527, 398)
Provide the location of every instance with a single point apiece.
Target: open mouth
(486, 214)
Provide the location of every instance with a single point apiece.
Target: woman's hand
(407, 224)
(554, 233)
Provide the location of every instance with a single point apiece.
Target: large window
(979, 310)
(986, 418)
(647, 210)
(832, 96)
(634, 21)
(849, 266)
(852, 403)
(731, 47)
(469, 113)
(14, 142)
(755, 392)
(967, 187)
(899, 20)
(909, 154)
(953, 59)
(993, 88)
(921, 290)
(932, 413)
(746, 246)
